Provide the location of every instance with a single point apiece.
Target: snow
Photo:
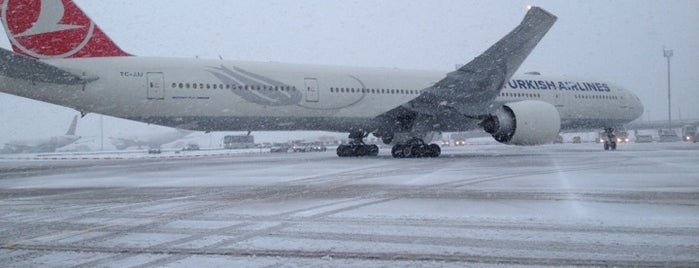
(479, 205)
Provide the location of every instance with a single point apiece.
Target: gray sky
(616, 41)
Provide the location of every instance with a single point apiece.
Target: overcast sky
(617, 41)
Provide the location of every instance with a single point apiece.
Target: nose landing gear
(610, 142)
(357, 147)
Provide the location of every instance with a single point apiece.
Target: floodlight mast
(668, 53)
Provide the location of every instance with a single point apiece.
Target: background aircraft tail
(73, 126)
(54, 29)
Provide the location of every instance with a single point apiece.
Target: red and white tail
(54, 29)
(73, 126)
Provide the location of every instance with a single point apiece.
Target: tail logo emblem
(47, 33)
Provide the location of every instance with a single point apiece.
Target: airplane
(152, 141)
(62, 57)
(44, 145)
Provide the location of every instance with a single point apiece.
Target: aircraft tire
(435, 150)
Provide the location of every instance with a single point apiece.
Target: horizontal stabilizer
(16, 66)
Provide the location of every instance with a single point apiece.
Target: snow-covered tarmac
(483, 205)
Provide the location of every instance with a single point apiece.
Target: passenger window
(174, 85)
(194, 86)
(181, 85)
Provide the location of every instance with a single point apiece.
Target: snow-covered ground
(479, 205)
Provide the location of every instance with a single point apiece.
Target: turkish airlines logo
(46, 28)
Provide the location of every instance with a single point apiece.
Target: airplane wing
(20, 67)
(469, 92)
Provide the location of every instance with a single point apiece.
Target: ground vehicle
(191, 147)
(559, 139)
(459, 142)
(622, 136)
(318, 147)
(577, 139)
(308, 147)
(301, 147)
(238, 142)
(667, 135)
(280, 148)
(689, 133)
(644, 138)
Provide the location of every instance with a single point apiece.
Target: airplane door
(559, 100)
(312, 92)
(156, 89)
(559, 103)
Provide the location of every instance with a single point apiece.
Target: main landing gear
(356, 147)
(415, 148)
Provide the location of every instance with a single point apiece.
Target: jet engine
(526, 122)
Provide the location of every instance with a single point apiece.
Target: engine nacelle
(526, 122)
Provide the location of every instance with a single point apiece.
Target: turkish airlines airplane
(43, 145)
(152, 140)
(62, 57)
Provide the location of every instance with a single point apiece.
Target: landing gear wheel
(387, 140)
(613, 146)
(435, 151)
(408, 151)
(415, 148)
(344, 151)
(361, 150)
(606, 146)
(373, 150)
(397, 151)
(356, 147)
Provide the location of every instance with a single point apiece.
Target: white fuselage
(215, 95)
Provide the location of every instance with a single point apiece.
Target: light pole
(668, 54)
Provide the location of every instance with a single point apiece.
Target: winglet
(73, 126)
(512, 49)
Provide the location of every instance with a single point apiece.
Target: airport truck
(238, 141)
(667, 135)
(689, 133)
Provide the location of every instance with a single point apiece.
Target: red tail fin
(73, 126)
(54, 29)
